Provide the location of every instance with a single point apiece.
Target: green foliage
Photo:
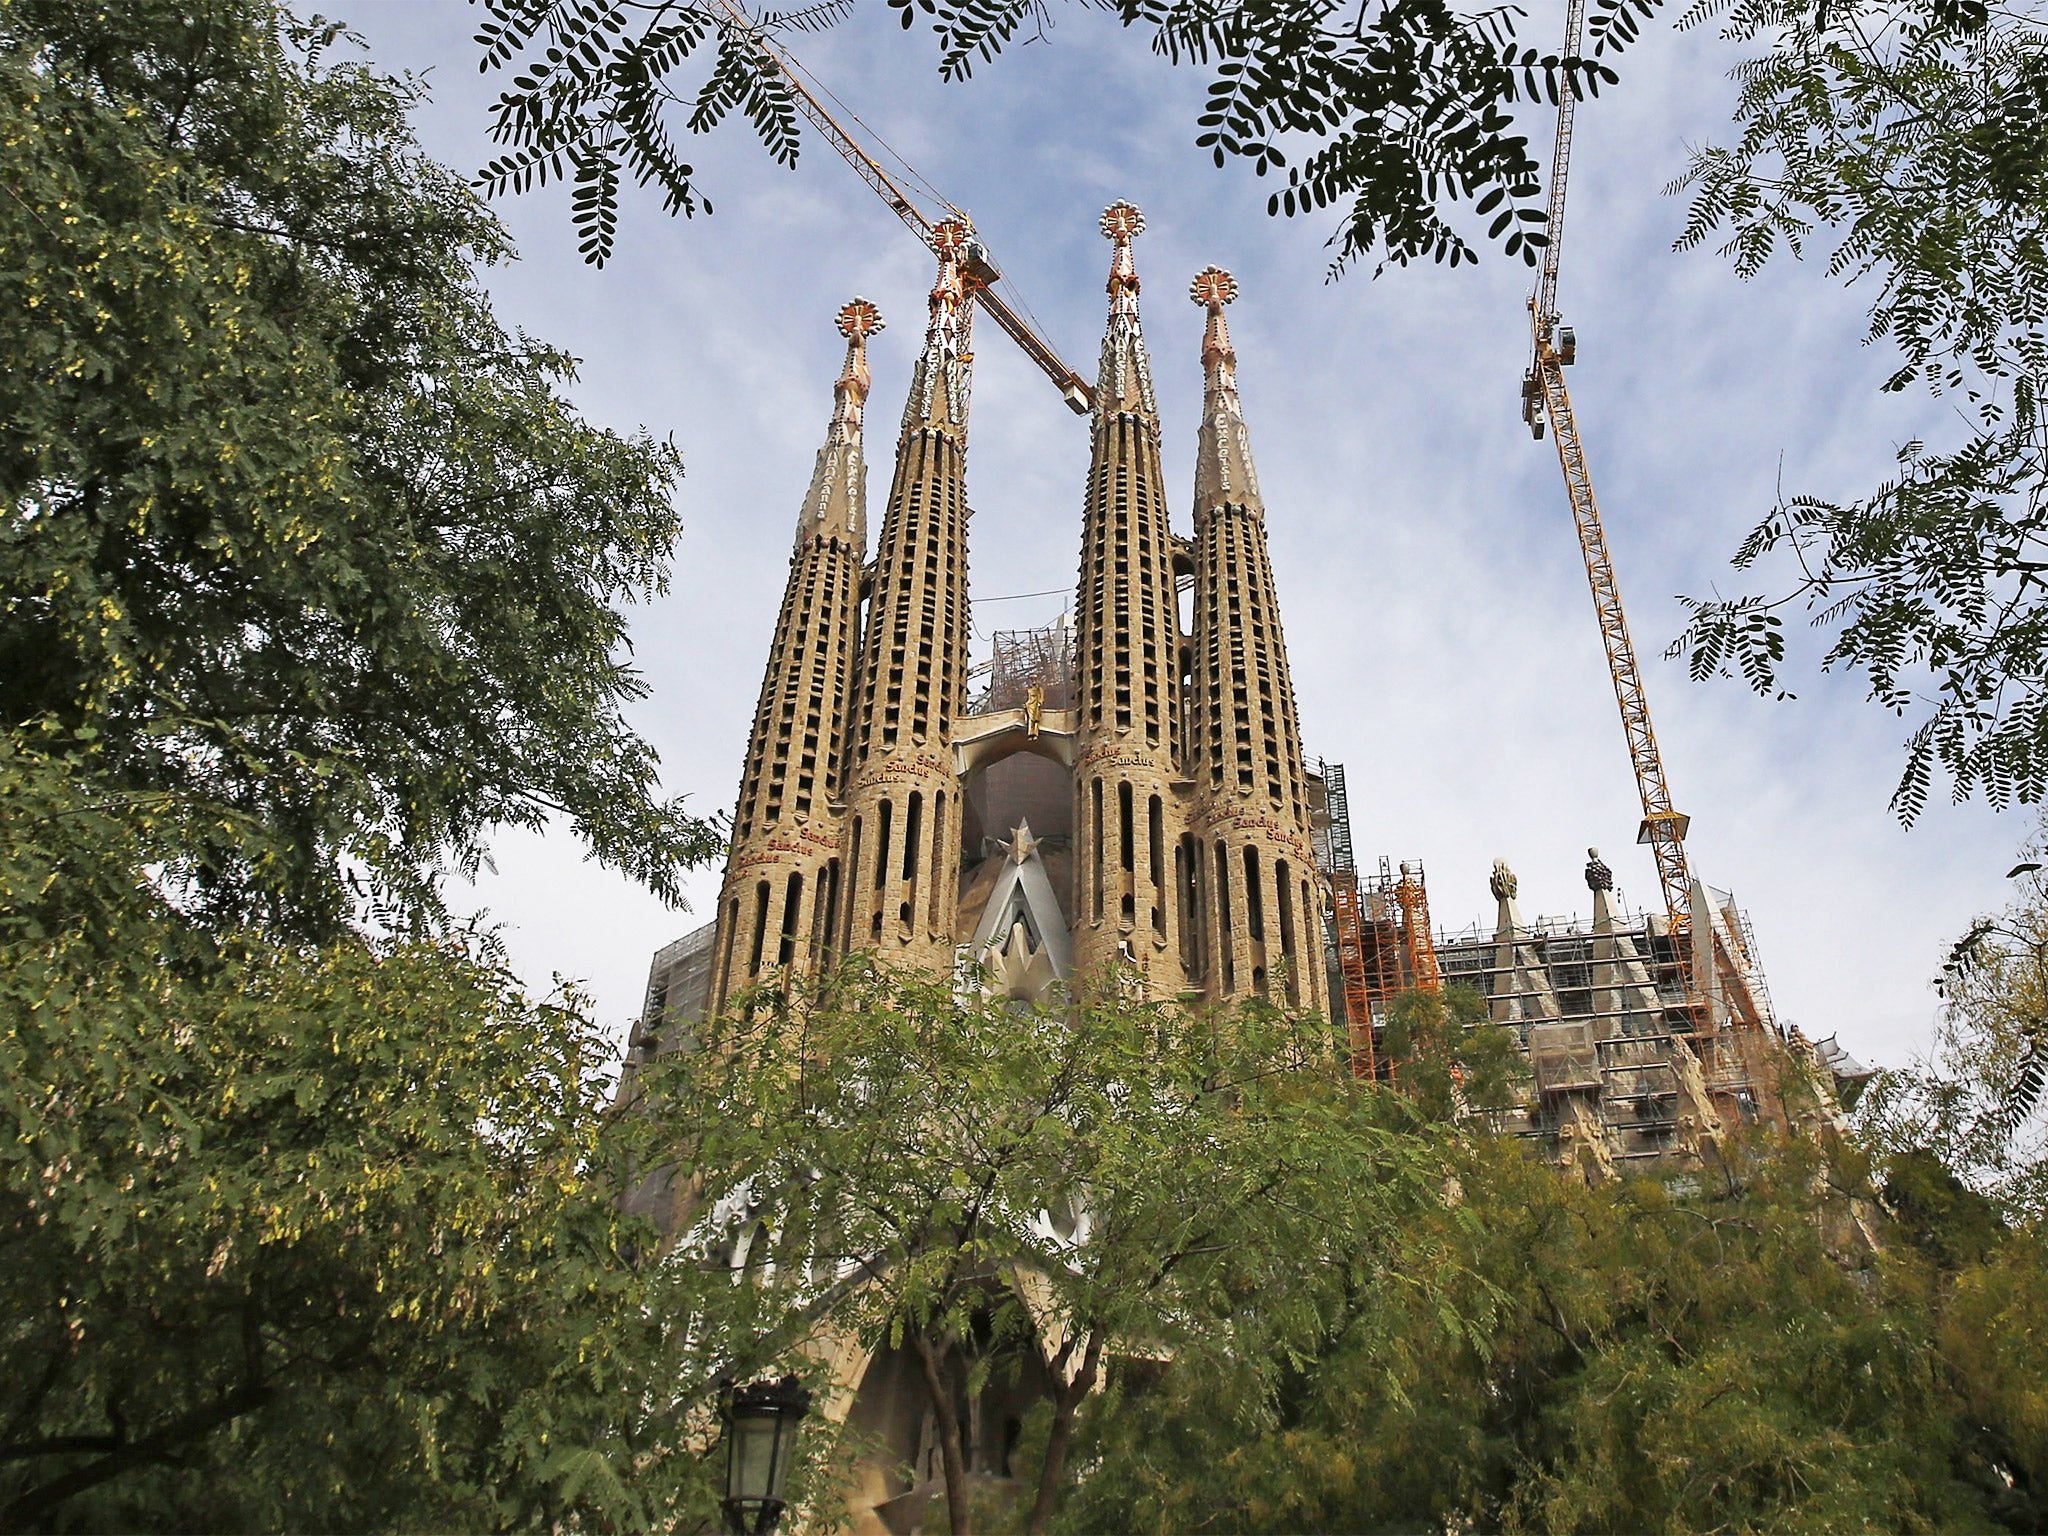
(1994, 1336)
(1539, 1355)
(1909, 135)
(309, 579)
(302, 1238)
(1973, 1104)
(288, 522)
(1447, 1055)
(973, 1180)
(1393, 114)
(1937, 1212)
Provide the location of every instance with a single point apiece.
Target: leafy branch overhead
(1393, 114)
(1911, 136)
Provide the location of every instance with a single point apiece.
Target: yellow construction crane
(1545, 397)
(982, 273)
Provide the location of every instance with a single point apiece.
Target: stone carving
(1503, 884)
(1598, 876)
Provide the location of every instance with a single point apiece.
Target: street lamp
(760, 1435)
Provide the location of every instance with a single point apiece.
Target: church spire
(1243, 738)
(778, 908)
(940, 382)
(836, 507)
(1223, 456)
(1124, 381)
(1128, 822)
(902, 800)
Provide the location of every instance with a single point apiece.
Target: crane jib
(1072, 387)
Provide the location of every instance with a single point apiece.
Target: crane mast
(981, 271)
(1545, 398)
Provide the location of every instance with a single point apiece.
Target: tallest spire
(1223, 457)
(939, 384)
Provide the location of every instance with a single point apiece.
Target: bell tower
(1127, 814)
(1261, 911)
(902, 791)
(783, 879)
(1120, 795)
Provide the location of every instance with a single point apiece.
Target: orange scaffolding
(1381, 930)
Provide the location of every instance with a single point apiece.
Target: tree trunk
(1066, 1405)
(35, 1504)
(946, 1419)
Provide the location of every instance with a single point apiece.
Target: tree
(989, 1186)
(309, 578)
(1973, 1104)
(1399, 111)
(1910, 135)
(1447, 1057)
(291, 523)
(307, 1238)
(1643, 1354)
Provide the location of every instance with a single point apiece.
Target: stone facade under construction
(1125, 793)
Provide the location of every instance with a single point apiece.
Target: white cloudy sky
(1438, 621)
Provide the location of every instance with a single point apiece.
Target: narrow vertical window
(828, 911)
(792, 905)
(852, 885)
(1226, 935)
(1254, 897)
(732, 931)
(913, 825)
(1096, 850)
(1126, 855)
(913, 836)
(882, 845)
(760, 929)
(1283, 889)
(1157, 817)
(944, 864)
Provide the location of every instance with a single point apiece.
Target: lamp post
(761, 1419)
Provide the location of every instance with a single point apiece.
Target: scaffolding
(1022, 659)
(1418, 945)
(1379, 929)
(1611, 1023)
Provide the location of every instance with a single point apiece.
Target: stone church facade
(1130, 798)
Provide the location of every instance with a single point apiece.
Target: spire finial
(938, 385)
(1212, 289)
(1124, 381)
(950, 238)
(1121, 224)
(836, 505)
(1223, 458)
(857, 320)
